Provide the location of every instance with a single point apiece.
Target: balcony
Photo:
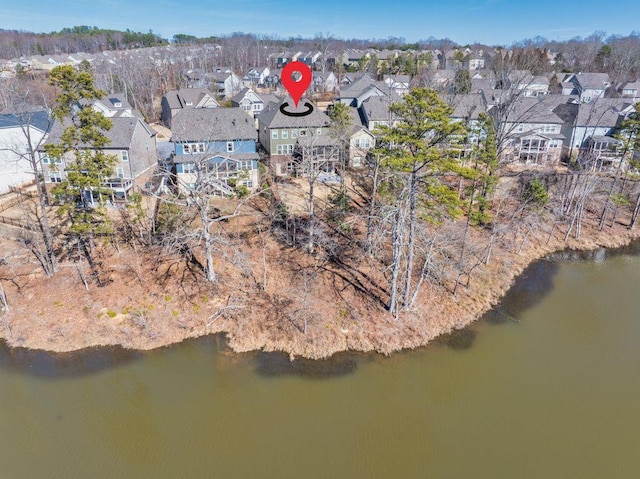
(119, 185)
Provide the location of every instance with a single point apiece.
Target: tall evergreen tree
(422, 148)
(82, 144)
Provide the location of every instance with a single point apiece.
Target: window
(120, 172)
(302, 133)
(363, 143)
(124, 154)
(284, 149)
(230, 147)
(193, 148)
(357, 161)
(318, 131)
(274, 134)
(294, 133)
(285, 134)
(257, 106)
(55, 177)
(46, 159)
(246, 107)
(188, 168)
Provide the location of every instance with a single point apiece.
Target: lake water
(545, 386)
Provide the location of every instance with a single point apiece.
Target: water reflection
(279, 364)
(74, 364)
(460, 339)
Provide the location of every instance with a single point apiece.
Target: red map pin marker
(296, 88)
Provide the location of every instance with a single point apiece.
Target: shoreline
(470, 306)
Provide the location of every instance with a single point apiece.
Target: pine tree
(422, 148)
(82, 144)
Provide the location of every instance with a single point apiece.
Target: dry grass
(303, 310)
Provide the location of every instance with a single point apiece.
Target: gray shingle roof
(376, 108)
(119, 135)
(534, 110)
(356, 88)
(237, 98)
(604, 112)
(179, 98)
(37, 119)
(467, 106)
(272, 117)
(592, 80)
(212, 124)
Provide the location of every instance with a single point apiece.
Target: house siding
(239, 146)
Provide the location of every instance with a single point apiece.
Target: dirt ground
(266, 296)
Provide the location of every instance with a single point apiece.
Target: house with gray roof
(375, 112)
(219, 144)
(531, 131)
(630, 90)
(360, 90)
(187, 98)
(130, 140)
(594, 128)
(112, 105)
(20, 134)
(278, 133)
(251, 102)
(361, 140)
(590, 86)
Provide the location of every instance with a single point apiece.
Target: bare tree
(34, 122)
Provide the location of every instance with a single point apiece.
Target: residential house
(311, 59)
(594, 127)
(187, 98)
(630, 90)
(255, 77)
(361, 140)
(197, 78)
(351, 58)
(314, 154)
(278, 133)
(113, 105)
(590, 86)
(325, 82)
(252, 102)
(397, 83)
(527, 84)
(225, 83)
(477, 60)
(467, 109)
(532, 131)
(217, 143)
(130, 140)
(20, 134)
(360, 90)
(279, 60)
(375, 112)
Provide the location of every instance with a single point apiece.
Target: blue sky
(464, 21)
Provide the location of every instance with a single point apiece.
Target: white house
(19, 134)
(590, 86)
